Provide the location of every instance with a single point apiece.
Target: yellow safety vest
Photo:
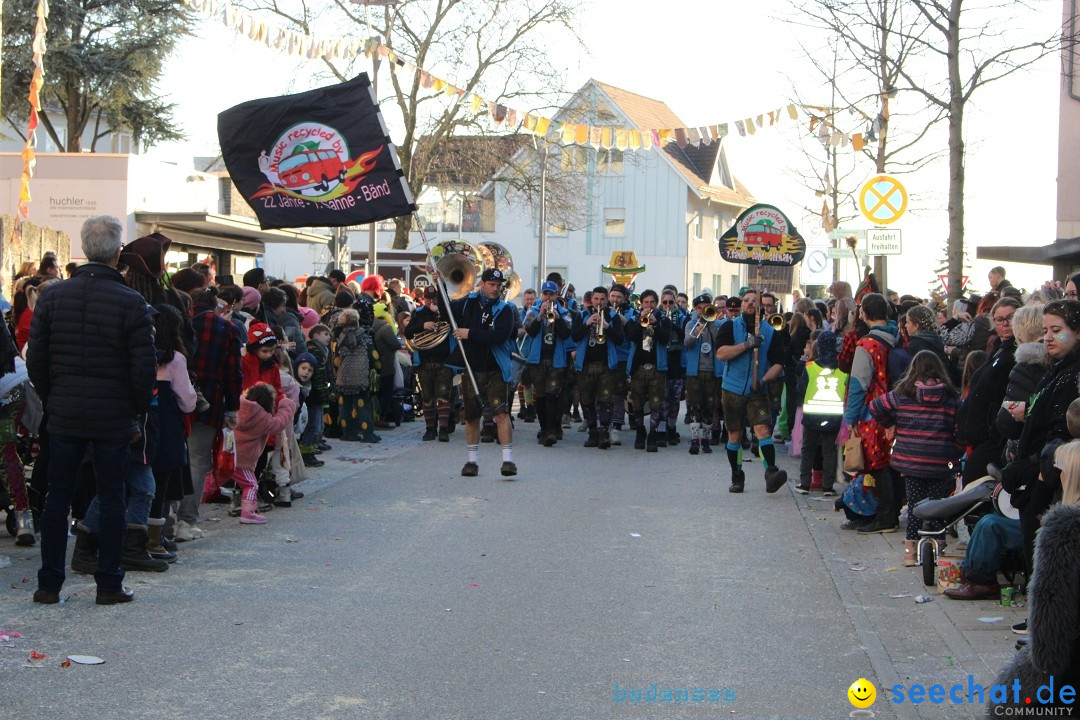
(825, 390)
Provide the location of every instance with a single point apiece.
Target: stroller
(974, 498)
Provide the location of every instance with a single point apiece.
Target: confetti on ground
(474, 585)
(902, 595)
(65, 664)
(924, 599)
(635, 534)
(991, 619)
(35, 655)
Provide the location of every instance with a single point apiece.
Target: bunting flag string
(29, 157)
(598, 137)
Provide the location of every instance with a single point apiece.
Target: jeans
(200, 456)
(66, 454)
(993, 535)
(314, 429)
(140, 494)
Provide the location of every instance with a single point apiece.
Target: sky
(714, 62)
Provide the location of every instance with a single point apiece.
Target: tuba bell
(459, 274)
(777, 321)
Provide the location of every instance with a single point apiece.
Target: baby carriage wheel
(929, 563)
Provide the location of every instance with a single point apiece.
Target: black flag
(321, 158)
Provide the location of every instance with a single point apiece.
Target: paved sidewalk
(942, 641)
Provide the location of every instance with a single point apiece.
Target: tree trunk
(402, 227)
(956, 157)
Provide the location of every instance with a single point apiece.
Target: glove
(753, 342)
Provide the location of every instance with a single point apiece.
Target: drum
(1003, 503)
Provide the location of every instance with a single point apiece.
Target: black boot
(444, 435)
(135, 556)
(593, 439)
(672, 435)
(660, 438)
(714, 437)
(639, 441)
(311, 461)
(430, 434)
(651, 441)
(604, 442)
(84, 558)
(487, 432)
(694, 444)
(738, 479)
(706, 447)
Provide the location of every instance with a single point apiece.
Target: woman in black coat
(975, 424)
(1032, 479)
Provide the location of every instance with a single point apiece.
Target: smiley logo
(862, 693)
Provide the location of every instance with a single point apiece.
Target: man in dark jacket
(91, 359)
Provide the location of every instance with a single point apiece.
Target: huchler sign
(762, 235)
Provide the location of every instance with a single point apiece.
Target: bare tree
(869, 41)
(975, 44)
(493, 48)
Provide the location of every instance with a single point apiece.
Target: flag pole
(449, 311)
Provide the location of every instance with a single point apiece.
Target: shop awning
(229, 233)
(1061, 250)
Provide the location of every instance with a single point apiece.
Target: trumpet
(551, 316)
(600, 337)
(646, 320)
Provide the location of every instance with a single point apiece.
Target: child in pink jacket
(256, 419)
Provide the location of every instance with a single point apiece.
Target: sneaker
(878, 526)
(1020, 628)
(851, 525)
(828, 493)
(583, 427)
(324, 446)
(470, 469)
(508, 469)
(311, 461)
(779, 439)
(802, 489)
(616, 436)
(186, 532)
(566, 423)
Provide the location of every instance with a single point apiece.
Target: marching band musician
(526, 408)
(647, 368)
(618, 300)
(703, 372)
(485, 335)
(744, 388)
(436, 379)
(730, 310)
(676, 366)
(547, 327)
(598, 334)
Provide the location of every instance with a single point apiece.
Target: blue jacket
(623, 350)
(737, 378)
(695, 349)
(533, 344)
(498, 336)
(583, 343)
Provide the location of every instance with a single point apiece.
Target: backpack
(897, 360)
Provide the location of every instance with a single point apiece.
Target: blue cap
(549, 286)
(305, 357)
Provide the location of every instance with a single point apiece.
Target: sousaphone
(503, 261)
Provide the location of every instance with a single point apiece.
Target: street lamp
(373, 262)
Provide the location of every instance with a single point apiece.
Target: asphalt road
(398, 589)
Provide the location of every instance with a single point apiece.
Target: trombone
(777, 322)
(708, 315)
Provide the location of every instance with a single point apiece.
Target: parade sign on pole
(762, 235)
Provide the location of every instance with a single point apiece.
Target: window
(721, 226)
(734, 286)
(717, 281)
(575, 159)
(609, 161)
(697, 284)
(557, 229)
(614, 222)
(699, 226)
